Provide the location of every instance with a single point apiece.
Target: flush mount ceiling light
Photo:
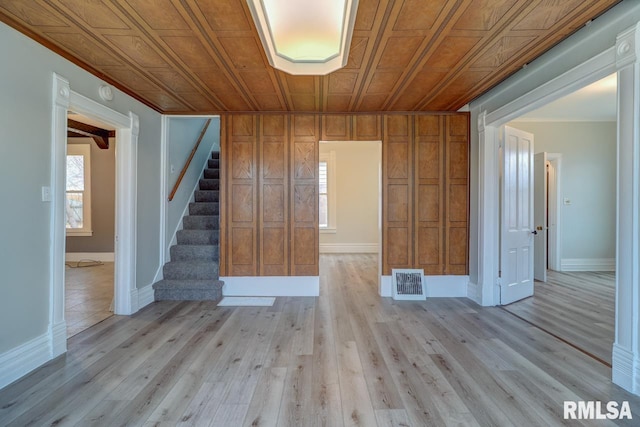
(305, 36)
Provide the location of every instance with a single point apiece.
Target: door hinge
(499, 281)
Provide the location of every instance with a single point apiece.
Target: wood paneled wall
(269, 190)
(269, 195)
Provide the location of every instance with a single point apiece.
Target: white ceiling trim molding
(306, 37)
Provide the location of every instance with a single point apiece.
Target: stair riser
(187, 295)
(211, 173)
(213, 164)
(207, 196)
(194, 252)
(200, 222)
(215, 154)
(201, 271)
(198, 237)
(209, 184)
(204, 208)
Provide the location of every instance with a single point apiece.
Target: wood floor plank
(356, 404)
(297, 405)
(267, 398)
(325, 387)
(204, 405)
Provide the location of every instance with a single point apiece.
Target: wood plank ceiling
(205, 56)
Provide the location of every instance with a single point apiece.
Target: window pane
(323, 177)
(74, 208)
(323, 214)
(75, 173)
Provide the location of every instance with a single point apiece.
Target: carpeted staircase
(192, 273)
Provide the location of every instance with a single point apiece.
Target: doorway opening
(575, 187)
(90, 223)
(350, 178)
(126, 127)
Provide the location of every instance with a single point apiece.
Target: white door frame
(555, 201)
(125, 298)
(623, 58)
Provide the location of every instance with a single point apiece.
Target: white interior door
(516, 250)
(540, 217)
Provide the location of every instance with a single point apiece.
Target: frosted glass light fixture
(305, 36)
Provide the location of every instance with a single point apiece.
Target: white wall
(26, 77)
(588, 180)
(182, 134)
(357, 192)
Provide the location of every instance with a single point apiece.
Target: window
(327, 192)
(78, 197)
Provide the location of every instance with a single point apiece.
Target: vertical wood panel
(224, 161)
(429, 194)
(397, 193)
(274, 195)
(305, 132)
(457, 194)
(241, 192)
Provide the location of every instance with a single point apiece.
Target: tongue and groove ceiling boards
(205, 56)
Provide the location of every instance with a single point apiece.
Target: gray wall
(103, 203)
(26, 77)
(357, 166)
(588, 179)
(581, 46)
(182, 133)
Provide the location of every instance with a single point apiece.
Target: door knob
(534, 232)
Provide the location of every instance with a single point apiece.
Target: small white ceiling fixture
(309, 37)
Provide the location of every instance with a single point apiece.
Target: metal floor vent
(408, 284)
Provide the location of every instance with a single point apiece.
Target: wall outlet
(567, 201)
(46, 194)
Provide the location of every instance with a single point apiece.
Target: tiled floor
(88, 295)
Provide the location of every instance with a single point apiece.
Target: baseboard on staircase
(145, 296)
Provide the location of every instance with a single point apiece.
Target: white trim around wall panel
(23, 359)
(436, 286)
(89, 256)
(272, 286)
(588, 264)
(349, 248)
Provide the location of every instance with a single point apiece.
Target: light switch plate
(46, 194)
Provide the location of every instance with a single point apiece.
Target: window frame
(330, 159)
(83, 150)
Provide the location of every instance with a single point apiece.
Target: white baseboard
(145, 296)
(94, 256)
(588, 264)
(436, 286)
(349, 248)
(622, 368)
(59, 339)
(272, 286)
(23, 359)
(472, 292)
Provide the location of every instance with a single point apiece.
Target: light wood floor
(347, 357)
(88, 295)
(578, 307)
